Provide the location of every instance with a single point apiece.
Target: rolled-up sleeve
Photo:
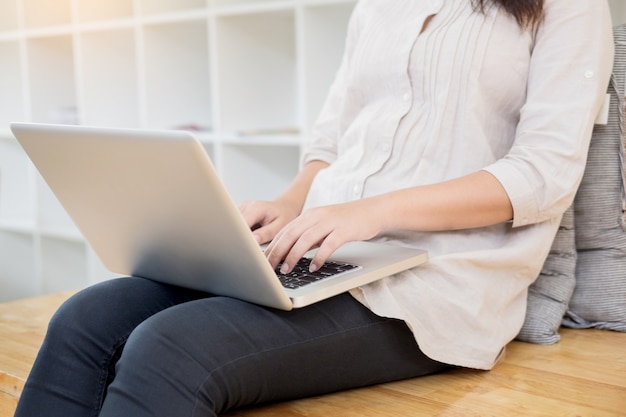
(569, 72)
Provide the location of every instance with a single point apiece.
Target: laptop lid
(151, 204)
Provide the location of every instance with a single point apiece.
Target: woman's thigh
(83, 342)
(207, 356)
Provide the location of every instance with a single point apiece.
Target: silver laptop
(151, 205)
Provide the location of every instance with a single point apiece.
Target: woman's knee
(159, 357)
(184, 331)
(76, 312)
(107, 312)
(90, 307)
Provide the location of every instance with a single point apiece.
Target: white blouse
(471, 92)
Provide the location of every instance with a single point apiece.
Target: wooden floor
(582, 376)
(22, 327)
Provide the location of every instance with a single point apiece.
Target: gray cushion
(599, 299)
(549, 295)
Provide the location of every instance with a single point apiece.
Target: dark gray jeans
(133, 347)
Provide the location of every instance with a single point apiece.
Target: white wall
(618, 10)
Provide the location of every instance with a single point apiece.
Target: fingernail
(257, 237)
(284, 268)
(313, 267)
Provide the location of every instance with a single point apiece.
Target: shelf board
(10, 36)
(313, 3)
(19, 226)
(61, 233)
(28, 227)
(105, 25)
(48, 31)
(253, 8)
(206, 137)
(176, 17)
(264, 139)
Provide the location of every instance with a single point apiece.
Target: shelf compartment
(18, 266)
(209, 148)
(324, 32)
(46, 13)
(154, 7)
(17, 196)
(256, 71)
(52, 219)
(258, 172)
(52, 79)
(11, 83)
(93, 10)
(8, 17)
(108, 62)
(63, 265)
(177, 75)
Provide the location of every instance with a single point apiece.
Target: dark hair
(527, 13)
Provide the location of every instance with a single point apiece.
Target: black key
(300, 274)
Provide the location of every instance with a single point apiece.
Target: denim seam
(104, 370)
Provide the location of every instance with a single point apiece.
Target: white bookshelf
(250, 75)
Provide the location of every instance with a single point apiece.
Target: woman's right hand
(267, 218)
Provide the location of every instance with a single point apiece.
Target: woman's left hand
(326, 228)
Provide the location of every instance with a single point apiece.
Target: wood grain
(582, 376)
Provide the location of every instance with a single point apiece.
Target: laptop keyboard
(301, 276)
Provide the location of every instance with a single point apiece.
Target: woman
(453, 125)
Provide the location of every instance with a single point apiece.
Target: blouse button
(356, 189)
(589, 74)
(406, 97)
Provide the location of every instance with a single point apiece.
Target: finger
(308, 240)
(296, 238)
(327, 247)
(259, 219)
(252, 213)
(282, 243)
(267, 233)
(278, 248)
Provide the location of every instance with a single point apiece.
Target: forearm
(296, 193)
(471, 201)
